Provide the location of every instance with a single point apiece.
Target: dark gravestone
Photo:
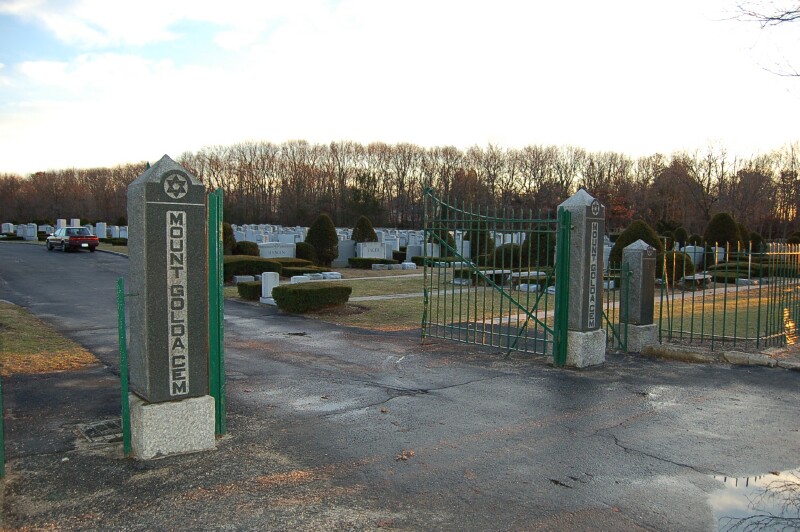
(168, 283)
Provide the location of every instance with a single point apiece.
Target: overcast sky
(99, 83)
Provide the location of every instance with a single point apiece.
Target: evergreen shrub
(638, 230)
(302, 297)
(363, 231)
(245, 247)
(322, 236)
(250, 291)
(721, 231)
(362, 263)
(305, 251)
(247, 265)
(678, 265)
(291, 271)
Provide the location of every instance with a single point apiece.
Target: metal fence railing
(490, 277)
(730, 296)
(616, 295)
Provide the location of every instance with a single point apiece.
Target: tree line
(291, 183)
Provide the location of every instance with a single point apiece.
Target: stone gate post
(586, 340)
(171, 409)
(640, 292)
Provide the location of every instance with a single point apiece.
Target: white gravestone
(274, 250)
(74, 222)
(269, 280)
(347, 250)
(371, 250)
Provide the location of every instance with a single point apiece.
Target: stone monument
(586, 339)
(171, 409)
(640, 259)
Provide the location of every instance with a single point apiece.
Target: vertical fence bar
(216, 311)
(123, 368)
(561, 325)
(2, 435)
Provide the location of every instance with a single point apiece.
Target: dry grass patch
(29, 345)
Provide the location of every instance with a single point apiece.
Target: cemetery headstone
(269, 280)
(371, 250)
(274, 250)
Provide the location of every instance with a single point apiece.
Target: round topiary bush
(721, 231)
(638, 230)
(508, 256)
(363, 231)
(539, 248)
(245, 247)
(304, 250)
(678, 265)
(695, 240)
(681, 236)
(322, 236)
(227, 239)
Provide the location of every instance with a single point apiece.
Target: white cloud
(625, 76)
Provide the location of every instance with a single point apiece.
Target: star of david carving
(176, 186)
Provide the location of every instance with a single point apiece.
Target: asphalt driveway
(341, 428)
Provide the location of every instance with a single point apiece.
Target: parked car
(72, 238)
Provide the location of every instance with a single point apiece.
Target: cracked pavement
(333, 427)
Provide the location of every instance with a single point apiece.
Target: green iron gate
(494, 278)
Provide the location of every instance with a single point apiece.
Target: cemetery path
(333, 427)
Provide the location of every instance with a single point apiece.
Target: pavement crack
(400, 391)
(701, 470)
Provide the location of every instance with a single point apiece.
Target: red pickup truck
(69, 238)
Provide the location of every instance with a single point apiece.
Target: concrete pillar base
(640, 336)
(586, 348)
(174, 427)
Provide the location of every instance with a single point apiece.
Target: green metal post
(560, 325)
(123, 368)
(216, 311)
(2, 436)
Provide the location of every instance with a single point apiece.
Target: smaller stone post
(586, 339)
(640, 259)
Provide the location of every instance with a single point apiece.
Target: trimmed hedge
(303, 297)
(288, 262)
(290, 271)
(245, 247)
(250, 291)
(119, 241)
(247, 265)
(399, 256)
(420, 261)
(9, 237)
(361, 263)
